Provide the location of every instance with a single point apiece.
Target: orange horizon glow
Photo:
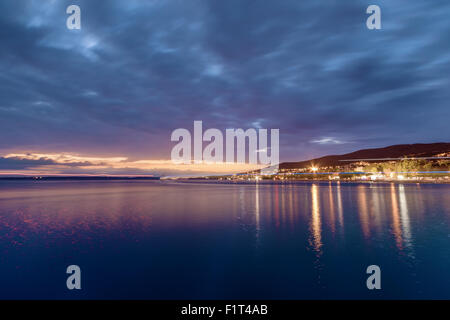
(64, 164)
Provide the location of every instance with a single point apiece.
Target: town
(433, 167)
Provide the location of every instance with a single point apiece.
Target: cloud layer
(137, 70)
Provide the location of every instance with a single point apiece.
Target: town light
(314, 169)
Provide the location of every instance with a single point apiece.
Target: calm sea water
(169, 240)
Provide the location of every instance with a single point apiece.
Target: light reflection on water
(316, 223)
(208, 240)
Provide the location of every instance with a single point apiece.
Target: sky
(105, 99)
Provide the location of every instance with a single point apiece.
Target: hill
(395, 151)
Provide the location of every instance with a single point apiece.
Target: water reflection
(363, 211)
(396, 218)
(378, 204)
(277, 206)
(404, 216)
(263, 233)
(73, 214)
(258, 207)
(332, 210)
(316, 223)
(257, 213)
(339, 202)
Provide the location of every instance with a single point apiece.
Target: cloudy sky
(105, 99)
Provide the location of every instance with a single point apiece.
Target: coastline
(304, 181)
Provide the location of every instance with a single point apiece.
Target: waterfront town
(434, 168)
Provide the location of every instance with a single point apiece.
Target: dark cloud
(138, 70)
(15, 163)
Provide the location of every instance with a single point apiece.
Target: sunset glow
(51, 164)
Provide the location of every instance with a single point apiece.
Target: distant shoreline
(75, 178)
(213, 181)
(216, 181)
